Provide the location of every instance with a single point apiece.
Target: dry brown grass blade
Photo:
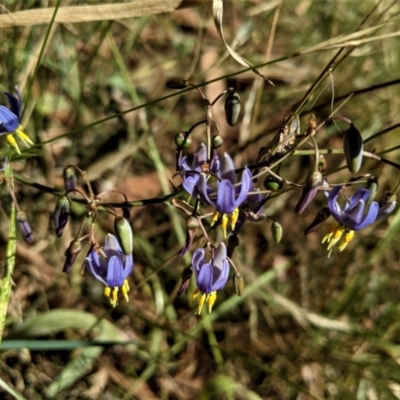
(100, 12)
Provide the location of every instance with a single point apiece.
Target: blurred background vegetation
(308, 326)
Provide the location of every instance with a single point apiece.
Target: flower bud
(123, 232)
(25, 228)
(71, 254)
(217, 141)
(353, 149)
(232, 108)
(183, 140)
(372, 186)
(238, 282)
(70, 179)
(186, 276)
(321, 217)
(314, 180)
(276, 229)
(61, 214)
(191, 227)
(272, 183)
(321, 164)
(177, 83)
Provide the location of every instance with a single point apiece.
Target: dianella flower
(111, 267)
(230, 193)
(210, 276)
(10, 120)
(355, 215)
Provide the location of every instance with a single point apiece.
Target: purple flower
(210, 276)
(10, 120)
(355, 215)
(112, 270)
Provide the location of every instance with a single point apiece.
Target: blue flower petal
(190, 184)
(219, 281)
(128, 266)
(369, 218)
(386, 210)
(332, 202)
(204, 279)
(112, 246)
(203, 190)
(94, 268)
(353, 215)
(228, 169)
(200, 157)
(115, 273)
(225, 197)
(8, 119)
(15, 102)
(198, 261)
(244, 188)
(360, 194)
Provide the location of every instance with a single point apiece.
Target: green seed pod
(183, 140)
(353, 149)
(238, 282)
(273, 184)
(314, 180)
(276, 229)
(177, 83)
(232, 108)
(123, 231)
(372, 186)
(192, 223)
(217, 141)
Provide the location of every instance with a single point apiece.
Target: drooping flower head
(210, 276)
(230, 193)
(112, 270)
(355, 215)
(10, 120)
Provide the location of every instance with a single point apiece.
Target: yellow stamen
(211, 300)
(11, 140)
(234, 217)
(224, 223)
(195, 294)
(214, 218)
(201, 303)
(114, 296)
(328, 235)
(336, 236)
(348, 236)
(107, 291)
(21, 134)
(125, 290)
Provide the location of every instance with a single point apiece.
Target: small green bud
(238, 282)
(272, 183)
(217, 141)
(183, 140)
(123, 232)
(177, 83)
(232, 108)
(276, 229)
(192, 223)
(314, 180)
(372, 186)
(353, 149)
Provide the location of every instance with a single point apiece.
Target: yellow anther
(201, 303)
(331, 230)
(195, 294)
(336, 236)
(114, 296)
(21, 134)
(211, 300)
(214, 218)
(224, 223)
(348, 236)
(107, 291)
(11, 140)
(125, 290)
(234, 217)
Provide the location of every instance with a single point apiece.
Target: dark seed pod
(232, 108)
(183, 140)
(25, 228)
(177, 83)
(71, 254)
(353, 149)
(272, 183)
(238, 282)
(233, 242)
(276, 229)
(61, 214)
(321, 217)
(70, 179)
(123, 232)
(314, 180)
